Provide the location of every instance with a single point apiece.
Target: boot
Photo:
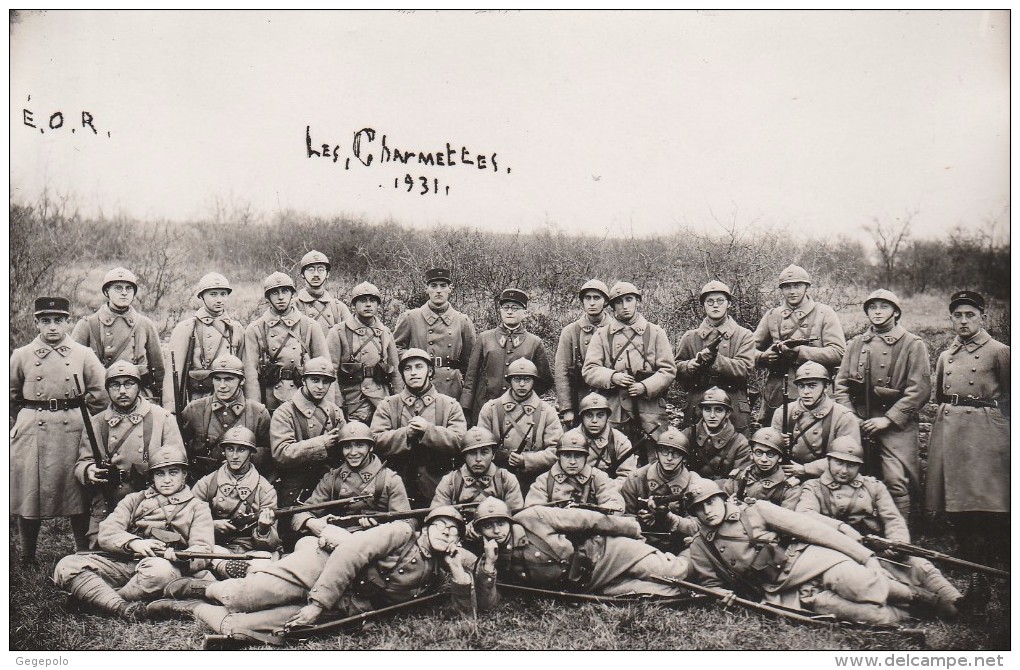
(186, 588)
(975, 602)
(168, 608)
(91, 589)
(924, 601)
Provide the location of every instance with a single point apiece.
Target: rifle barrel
(931, 554)
(329, 626)
(743, 602)
(339, 502)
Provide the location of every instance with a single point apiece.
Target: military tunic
(448, 337)
(286, 340)
(650, 480)
(130, 336)
(365, 357)
(530, 427)
(590, 486)
(229, 496)
(609, 448)
(372, 478)
(424, 459)
(209, 338)
(492, 354)
(715, 456)
(815, 429)
(569, 360)
(205, 421)
(968, 455)
(461, 486)
(298, 442)
(323, 309)
(730, 370)
(809, 319)
(775, 487)
(44, 442)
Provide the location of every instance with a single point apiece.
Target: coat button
(38, 379)
(38, 363)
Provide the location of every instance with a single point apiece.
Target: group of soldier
(315, 463)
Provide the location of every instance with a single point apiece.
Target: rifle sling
(794, 437)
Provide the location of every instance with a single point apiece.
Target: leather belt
(53, 404)
(440, 362)
(968, 401)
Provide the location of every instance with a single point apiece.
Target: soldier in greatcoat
(117, 331)
(718, 353)
(277, 345)
(968, 455)
(206, 420)
(763, 478)
(446, 334)
(364, 356)
(798, 317)
(630, 361)
(47, 426)
(526, 427)
(718, 447)
(496, 349)
(572, 478)
(899, 383)
(609, 450)
(572, 347)
(419, 429)
(197, 341)
(127, 432)
(314, 300)
(479, 478)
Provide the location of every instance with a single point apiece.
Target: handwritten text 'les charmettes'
(366, 152)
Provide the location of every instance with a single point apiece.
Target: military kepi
(61, 306)
(968, 298)
(437, 274)
(514, 295)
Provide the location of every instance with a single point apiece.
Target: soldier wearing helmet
(205, 421)
(150, 526)
(574, 339)
(46, 433)
(526, 427)
(762, 478)
(814, 421)
(630, 361)
(302, 433)
(436, 327)
(496, 349)
(479, 478)
(387, 565)
(118, 331)
(573, 478)
(718, 447)
(885, 371)
(717, 353)
(609, 450)
(129, 431)
(666, 475)
(418, 429)
(242, 502)
(314, 300)
(797, 331)
(197, 341)
(364, 356)
(277, 345)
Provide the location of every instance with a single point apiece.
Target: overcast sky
(618, 122)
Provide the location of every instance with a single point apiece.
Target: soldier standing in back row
(446, 334)
(631, 362)
(199, 340)
(574, 339)
(797, 331)
(716, 353)
(892, 366)
(117, 331)
(313, 300)
(277, 344)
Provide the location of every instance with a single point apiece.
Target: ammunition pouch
(769, 561)
(353, 373)
(866, 527)
(587, 553)
(242, 521)
(170, 538)
(270, 374)
(200, 381)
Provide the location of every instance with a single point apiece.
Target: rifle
(786, 418)
(876, 542)
(114, 477)
(871, 463)
(385, 517)
(346, 622)
(243, 522)
(713, 351)
(571, 596)
(564, 504)
(787, 359)
(178, 390)
(181, 555)
(730, 597)
(611, 468)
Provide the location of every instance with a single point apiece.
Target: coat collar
(289, 318)
(431, 317)
(638, 326)
(973, 344)
(107, 316)
(42, 350)
(306, 406)
(657, 480)
(588, 327)
(732, 514)
(304, 296)
(890, 337)
(113, 417)
(557, 473)
(806, 306)
(719, 439)
(182, 496)
(366, 472)
(484, 480)
(509, 402)
(428, 397)
(354, 324)
(203, 315)
(818, 411)
(771, 480)
(727, 328)
(236, 404)
(827, 481)
(248, 480)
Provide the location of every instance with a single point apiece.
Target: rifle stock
(876, 542)
(114, 476)
(786, 417)
(730, 597)
(871, 465)
(385, 517)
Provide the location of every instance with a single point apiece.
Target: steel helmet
(792, 274)
(228, 364)
(476, 438)
(120, 274)
(211, 281)
(701, 492)
(716, 396)
(169, 454)
(846, 448)
(491, 508)
(522, 367)
(314, 257)
(240, 436)
(277, 280)
(413, 353)
(883, 294)
(365, 289)
(321, 366)
(594, 285)
(571, 441)
(593, 401)
(355, 431)
(445, 512)
(123, 369)
(769, 437)
(811, 370)
(715, 286)
(671, 437)
(622, 288)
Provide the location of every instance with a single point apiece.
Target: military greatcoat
(461, 486)
(448, 336)
(715, 456)
(285, 340)
(570, 352)
(381, 483)
(610, 448)
(365, 358)
(229, 496)
(529, 427)
(209, 337)
(492, 354)
(730, 370)
(130, 336)
(205, 421)
(814, 430)
(591, 486)
(298, 442)
(323, 309)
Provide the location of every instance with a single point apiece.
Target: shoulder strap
(550, 482)
(381, 480)
(458, 484)
(500, 420)
(95, 337)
